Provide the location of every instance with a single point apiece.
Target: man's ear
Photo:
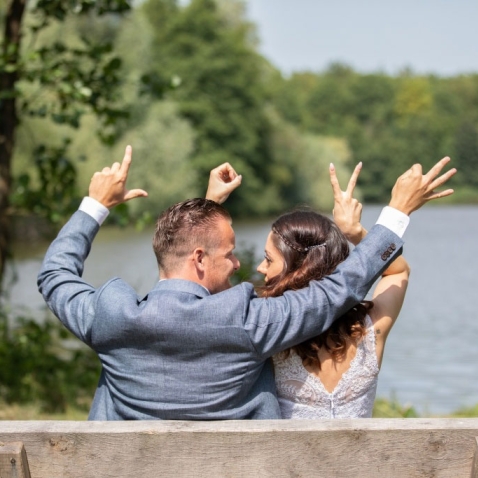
(199, 255)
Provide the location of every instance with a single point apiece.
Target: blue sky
(429, 36)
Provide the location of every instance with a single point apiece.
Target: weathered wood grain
(372, 448)
(474, 466)
(13, 460)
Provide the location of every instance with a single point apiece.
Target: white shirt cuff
(394, 220)
(94, 209)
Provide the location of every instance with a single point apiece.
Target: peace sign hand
(347, 210)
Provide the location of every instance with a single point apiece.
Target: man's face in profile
(220, 262)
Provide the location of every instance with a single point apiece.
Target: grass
(383, 408)
(34, 411)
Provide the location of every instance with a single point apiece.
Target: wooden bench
(367, 448)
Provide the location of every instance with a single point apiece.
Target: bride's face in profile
(273, 262)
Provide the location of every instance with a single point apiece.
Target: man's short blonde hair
(183, 227)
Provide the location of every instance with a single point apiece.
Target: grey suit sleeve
(59, 280)
(278, 323)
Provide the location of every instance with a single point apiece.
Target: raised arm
(60, 277)
(277, 323)
(411, 191)
(222, 181)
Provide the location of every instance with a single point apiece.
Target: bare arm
(411, 191)
(389, 293)
(388, 297)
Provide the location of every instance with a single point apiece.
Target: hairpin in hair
(295, 246)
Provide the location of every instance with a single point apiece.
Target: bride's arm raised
(390, 290)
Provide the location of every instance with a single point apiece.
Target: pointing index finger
(126, 160)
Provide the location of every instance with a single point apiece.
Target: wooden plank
(13, 460)
(372, 448)
(474, 467)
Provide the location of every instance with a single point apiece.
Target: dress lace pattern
(303, 396)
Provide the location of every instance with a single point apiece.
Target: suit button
(384, 257)
(393, 246)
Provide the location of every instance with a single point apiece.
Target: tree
(222, 93)
(466, 153)
(54, 80)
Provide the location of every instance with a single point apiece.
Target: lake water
(431, 358)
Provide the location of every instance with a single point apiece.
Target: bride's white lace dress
(302, 395)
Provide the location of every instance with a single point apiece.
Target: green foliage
(60, 9)
(248, 270)
(162, 153)
(65, 78)
(301, 164)
(69, 76)
(92, 71)
(56, 194)
(35, 366)
(466, 152)
(221, 95)
(384, 408)
(466, 412)
(59, 79)
(389, 123)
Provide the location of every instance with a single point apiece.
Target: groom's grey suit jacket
(181, 353)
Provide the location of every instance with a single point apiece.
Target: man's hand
(347, 210)
(109, 186)
(413, 189)
(222, 181)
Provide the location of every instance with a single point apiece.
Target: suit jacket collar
(181, 285)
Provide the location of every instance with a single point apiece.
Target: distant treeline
(208, 96)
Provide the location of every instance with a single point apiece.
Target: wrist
(400, 207)
(356, 235)
(211, 197)
(394, 219)
(94, 208)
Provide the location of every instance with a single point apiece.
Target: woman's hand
(222, 181)
(347, 210)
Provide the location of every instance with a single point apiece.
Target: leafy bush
(36, 365)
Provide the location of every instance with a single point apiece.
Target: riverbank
(383, 408)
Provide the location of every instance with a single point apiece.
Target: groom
(194, 347)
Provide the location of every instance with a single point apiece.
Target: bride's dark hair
(312, 246)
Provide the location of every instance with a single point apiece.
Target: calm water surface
(431, 358)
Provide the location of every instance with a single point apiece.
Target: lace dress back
(302, 395)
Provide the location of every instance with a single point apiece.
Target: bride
(333, 375)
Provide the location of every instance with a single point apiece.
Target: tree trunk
(8, 119)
